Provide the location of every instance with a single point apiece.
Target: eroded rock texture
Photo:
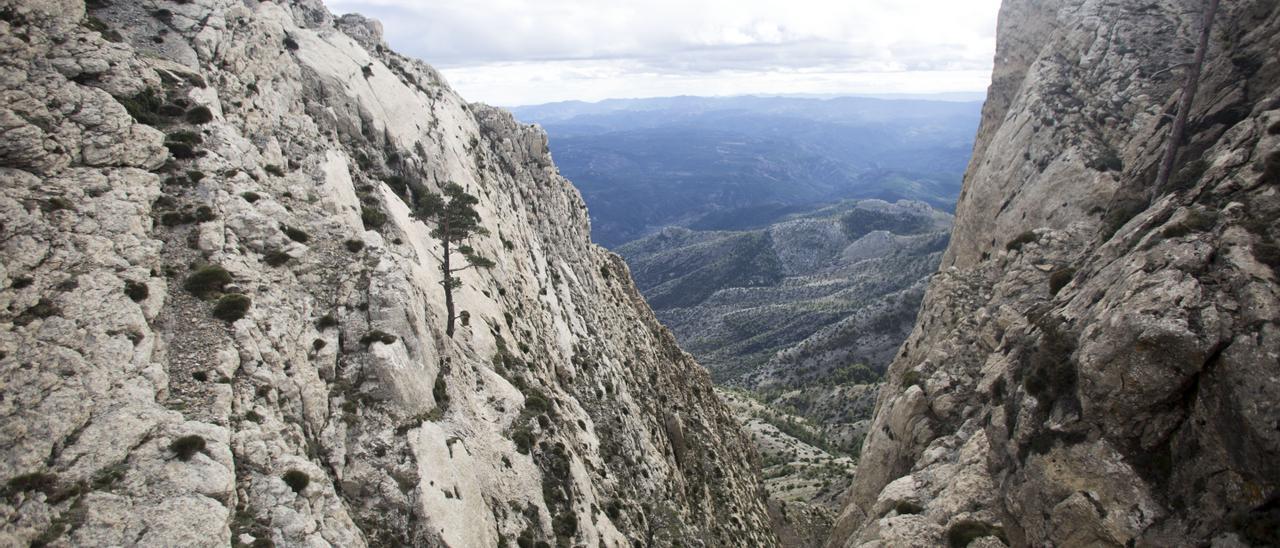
(1098, 362)
(220, 324)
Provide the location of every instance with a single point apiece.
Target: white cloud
(519, 52)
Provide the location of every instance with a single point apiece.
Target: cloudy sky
(519, 52)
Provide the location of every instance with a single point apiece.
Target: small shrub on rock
(296, 480)
(187, 446)
(181, 151)
(232, 307)
(199, 115)
(207, 281)
(276, 257)
(1022, 239)
(327, 321)
(137, 291)
(295, 234)
(373, 217)
(377, 335)
(1059, 279)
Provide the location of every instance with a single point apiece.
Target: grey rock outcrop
(220, 324)
(1096, 363)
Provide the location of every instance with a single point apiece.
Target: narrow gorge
(223, 317)
(223, 326)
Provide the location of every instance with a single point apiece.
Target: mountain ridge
(224, 325)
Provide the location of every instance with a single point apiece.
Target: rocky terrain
(1096, 363)
(220, 324)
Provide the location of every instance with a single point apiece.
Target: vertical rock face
(220, 324)
(1098, 362)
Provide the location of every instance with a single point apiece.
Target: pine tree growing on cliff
(454, 221)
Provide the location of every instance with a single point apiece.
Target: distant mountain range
(741, 163)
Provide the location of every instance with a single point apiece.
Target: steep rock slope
(1096, 364)
(221, 325)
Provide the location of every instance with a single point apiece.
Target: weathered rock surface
(1098, 363)
(145, 142)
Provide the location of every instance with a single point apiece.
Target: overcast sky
(519, 52)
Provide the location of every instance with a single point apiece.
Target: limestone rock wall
(165, 163)
(1096, 364)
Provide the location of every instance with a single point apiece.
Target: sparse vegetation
(377, 335)
(199, 115)
(296, 480)
(137, 291)
(911, 378)
(231, 307)
(326, 321)
(1060, 278)
(372, 217)
(455, 222)
(186, 447)
(208, 281)
(1022, 239)
(295, 234)
(276, 257)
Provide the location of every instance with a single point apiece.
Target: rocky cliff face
(221, 324)
(1096, 364)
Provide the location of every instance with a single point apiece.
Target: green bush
(373, 217)
(523, 438)
(276, 257)
(144, 107)
(185, 136)
(137, 291)
(1022, 239)
(295, 234)
(231, 307)
(377, 335)
(912, 378)
(204, 214)
(296, 480)
(187, 446)
(33, 482)
(207, 281)
(440, 391)
(326, 321)
(1060, 278)
(199, 115)
(181, 151)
